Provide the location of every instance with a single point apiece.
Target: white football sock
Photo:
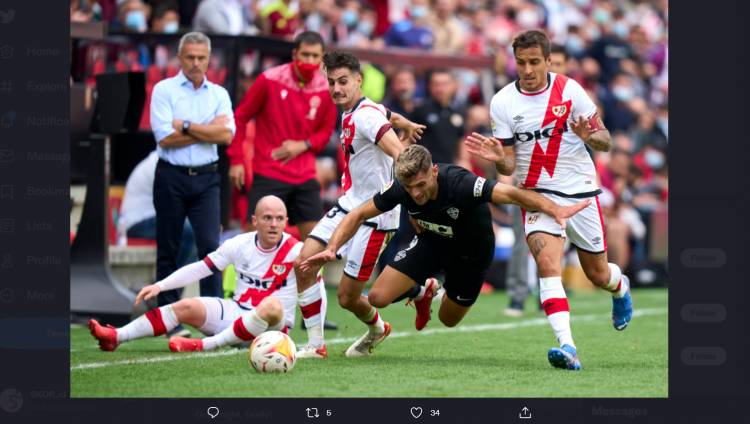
(373, 321)
(153, 323)
(245, 328)
(555, 305)
(616, 285)
(313, 312)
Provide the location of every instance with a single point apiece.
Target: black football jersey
(459, 216)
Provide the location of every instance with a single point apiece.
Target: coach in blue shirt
(190, 116)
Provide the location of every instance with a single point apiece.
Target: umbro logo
(517, 118)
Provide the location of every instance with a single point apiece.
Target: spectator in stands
(310, 17)
(133, 16)
(332, 29)
(403, 86)
(84, 11)
(166, 19)
(449, 32)
(413, 32)
(618, 104)
(360, 34)
(609, 50)
(294, 117)
(443, 116)
(190, 116)
(223, 17)
(558, 59)
(278, 19)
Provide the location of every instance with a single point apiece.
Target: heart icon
(416, 411)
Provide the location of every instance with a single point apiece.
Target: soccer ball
(272, 351)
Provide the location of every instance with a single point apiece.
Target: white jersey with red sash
(260, 273)
(367, 168)
(550, 157)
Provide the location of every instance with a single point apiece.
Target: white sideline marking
(341, 340)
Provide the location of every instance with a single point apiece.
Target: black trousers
(177, 195)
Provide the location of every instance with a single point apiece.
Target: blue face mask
(654, 159)
(171, 27)
(574, 45)
(623, 93)
(136, 21)
(349, 17)
(417, 12)
(600, 16)
(365, 28)
(621, 29)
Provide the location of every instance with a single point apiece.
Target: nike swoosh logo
(412, 213)
(463, 300)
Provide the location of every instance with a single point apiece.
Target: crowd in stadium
(617, 50)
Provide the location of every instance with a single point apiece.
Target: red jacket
(284, 109)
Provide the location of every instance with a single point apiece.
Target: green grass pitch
(487, 355)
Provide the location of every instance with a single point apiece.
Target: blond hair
(413, 160)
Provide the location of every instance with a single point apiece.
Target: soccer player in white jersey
(370, 146)
(265, 297)
(541, 125)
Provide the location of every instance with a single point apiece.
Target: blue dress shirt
(176, 98)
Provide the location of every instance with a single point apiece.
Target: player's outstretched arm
(390, 144)
(491, 149)
(533, 201)
(184, 276)
(412, 132)
(343, 233)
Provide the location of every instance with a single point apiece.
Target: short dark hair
(336, 59)
(162, 9)
(308, 37)
(557, 48)
(532, 38)
(438, 71)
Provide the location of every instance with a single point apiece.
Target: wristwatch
(185, 127)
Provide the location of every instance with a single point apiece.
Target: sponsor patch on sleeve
(478, 186)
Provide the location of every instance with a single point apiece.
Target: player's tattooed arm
(593, 132)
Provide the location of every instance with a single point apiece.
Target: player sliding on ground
(451, 231)
(370, 145)
(264, 299)
(541, 125)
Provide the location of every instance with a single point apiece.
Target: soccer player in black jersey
(451, 231)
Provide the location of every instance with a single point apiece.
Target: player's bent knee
(270, 310)
(183, 309)
(377, 299)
